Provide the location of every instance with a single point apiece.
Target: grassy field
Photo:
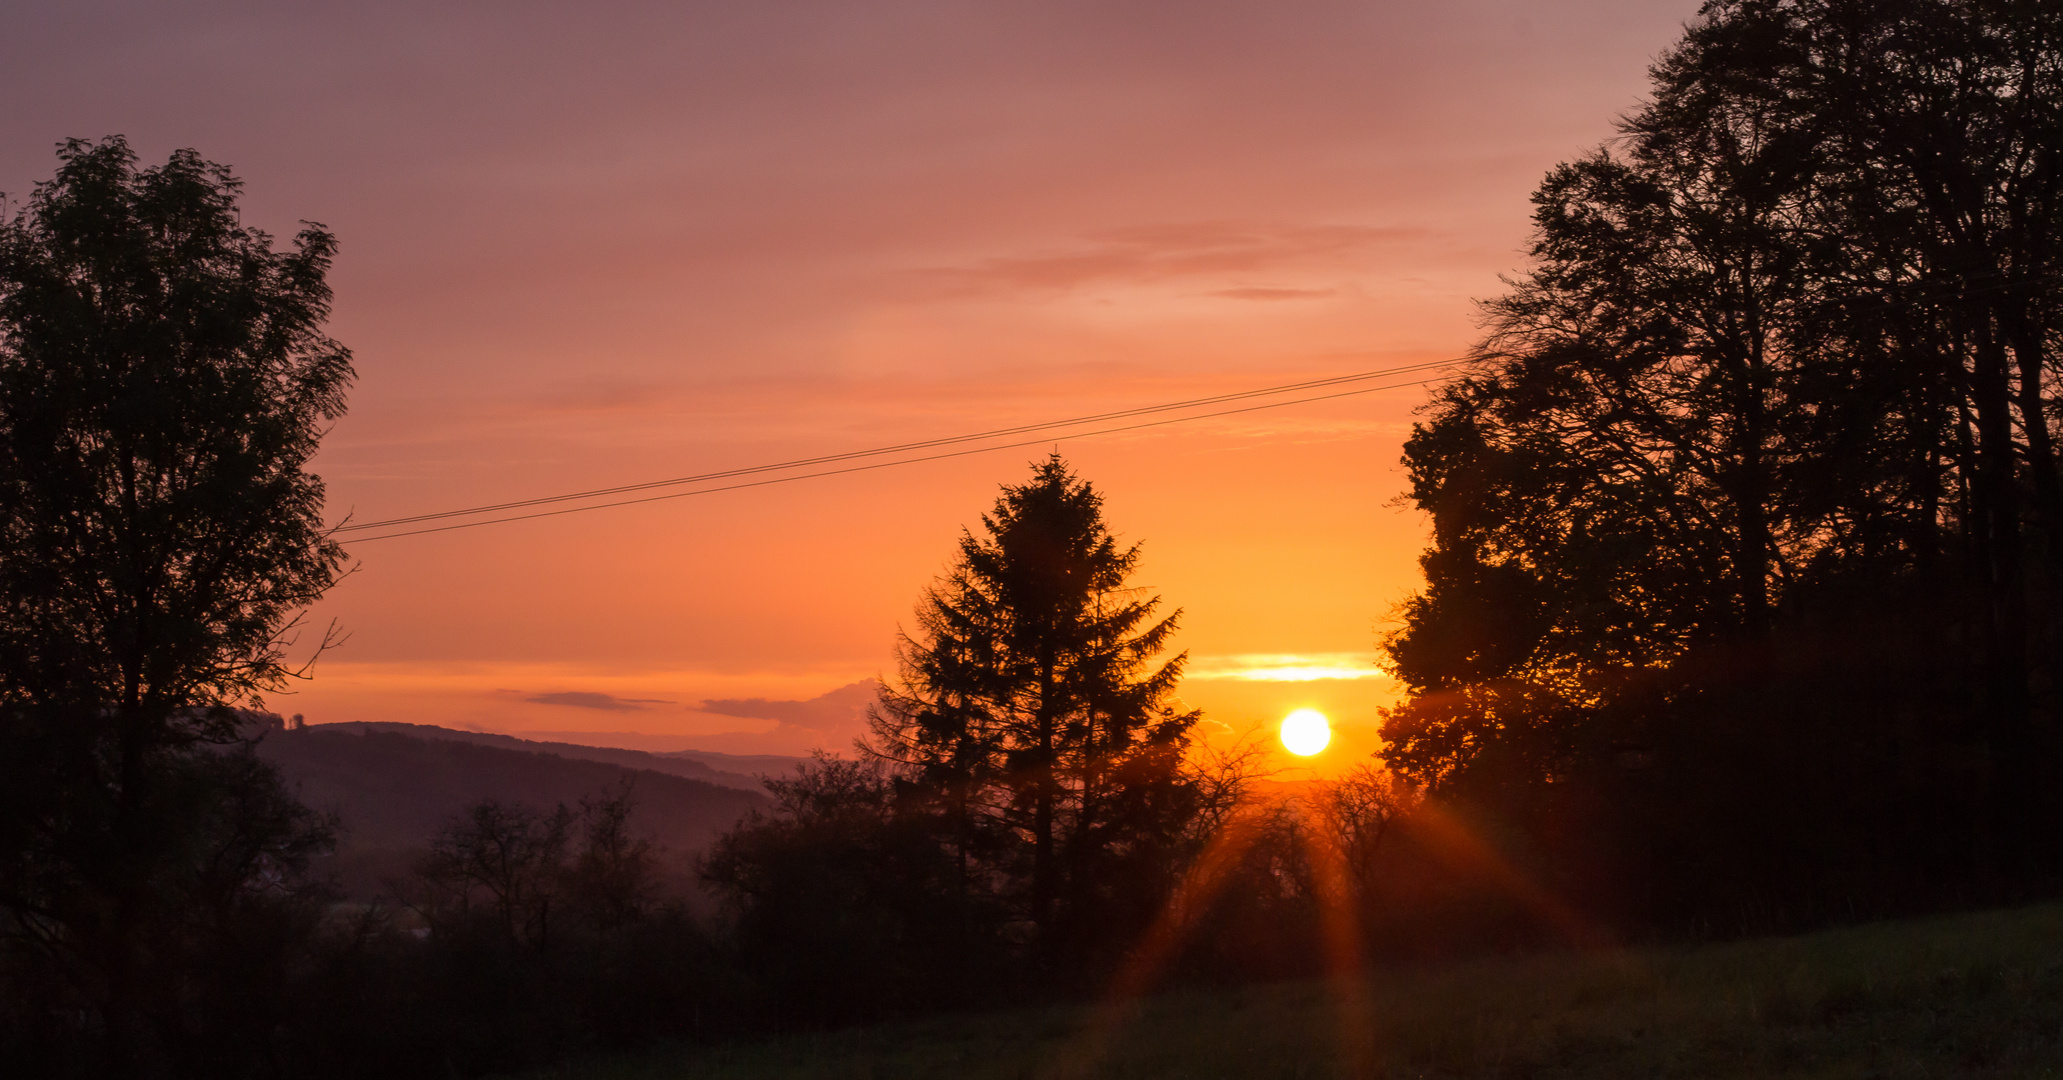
(1968, 996)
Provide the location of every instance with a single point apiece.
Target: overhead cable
(880, 451)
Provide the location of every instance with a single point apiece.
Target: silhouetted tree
(532, 874)
(1031, 711)
(524, 935)
(1616, 481)
(163, 383)
(1943, 135)
(843, 901)
(1358, 811)
(614, 882)
(1745, 513)
(503, 862)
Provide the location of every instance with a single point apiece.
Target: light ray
(1339, 920)
(1142, 967)
(1456, 844)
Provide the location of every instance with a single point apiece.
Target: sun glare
(1305, 732)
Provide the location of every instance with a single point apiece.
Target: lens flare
(1305, 732)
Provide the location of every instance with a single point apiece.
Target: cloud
(1287, 667)
(582, 699)
(1263, 293)
(604, 395)
(1157, 253)
(840, 709)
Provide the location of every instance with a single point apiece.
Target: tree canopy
(1769, 427)
(164, 381)
(1032, 707)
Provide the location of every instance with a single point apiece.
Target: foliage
(516, 870)
(230, 925)
(1358, 812)
(1753, 479)
(500, 864)
(842, 906)
(1032, 719)
(524, 936)
(163, 384)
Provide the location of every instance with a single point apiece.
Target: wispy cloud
(584, 699)
(1157, 253)
(602, 395)
(842, 708)
(1261, 292)
(1287, 667)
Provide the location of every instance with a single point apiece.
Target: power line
(899, 461)
(954, 440)
(927, 444)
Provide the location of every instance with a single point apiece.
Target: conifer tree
(1032, 714)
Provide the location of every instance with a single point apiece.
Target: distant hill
(755, 765)
(731, 770)
(394, 788)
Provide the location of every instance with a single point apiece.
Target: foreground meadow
(1965, 996)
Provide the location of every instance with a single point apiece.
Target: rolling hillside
(393, 791)
(730, 770)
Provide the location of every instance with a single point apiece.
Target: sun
(1305, 732)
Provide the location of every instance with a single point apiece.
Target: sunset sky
(596, 244)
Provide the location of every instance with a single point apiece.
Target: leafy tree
(504, 864)
(1745, 364)
(163, 383)
(615, 880)
(843, 901)
(1753, 479)
(1358, 811)
(1943, 130)
(1611, 481)
(1032, 713)
(532, 934)
(530, 875)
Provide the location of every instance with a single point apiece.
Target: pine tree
(1033, 718)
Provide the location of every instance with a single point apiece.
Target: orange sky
(605, 243)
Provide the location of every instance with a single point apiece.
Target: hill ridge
(691, 764)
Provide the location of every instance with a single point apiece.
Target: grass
(1967, 996)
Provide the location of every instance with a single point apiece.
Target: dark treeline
(1742, 607)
